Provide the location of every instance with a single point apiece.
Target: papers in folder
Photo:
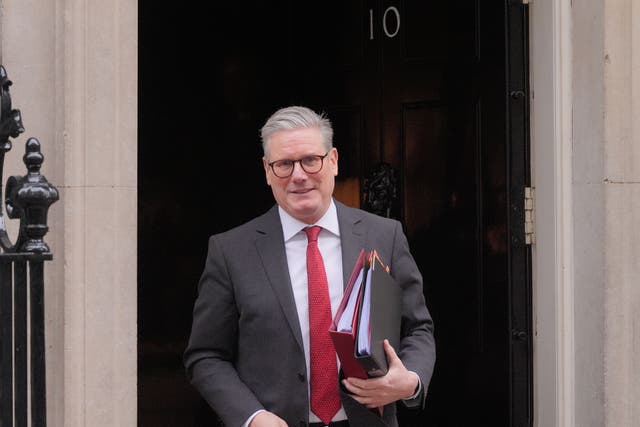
(345, 323)
(368, 314)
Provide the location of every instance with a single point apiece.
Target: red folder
(344, 342)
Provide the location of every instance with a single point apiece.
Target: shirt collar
(292, 226)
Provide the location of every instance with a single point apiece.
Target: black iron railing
(22, 346)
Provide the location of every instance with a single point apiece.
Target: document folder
(368, 314)
(344, 336)
(382, 298)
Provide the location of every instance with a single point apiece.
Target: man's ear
(267, 176)
(334, 160)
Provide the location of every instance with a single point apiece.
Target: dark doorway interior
(425, 93)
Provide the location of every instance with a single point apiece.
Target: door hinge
(529, 215)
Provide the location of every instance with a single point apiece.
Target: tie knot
(312, 233)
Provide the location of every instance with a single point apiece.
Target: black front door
(436, 90)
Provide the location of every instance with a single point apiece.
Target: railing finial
(29, 198)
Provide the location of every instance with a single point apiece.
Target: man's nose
(298, 172)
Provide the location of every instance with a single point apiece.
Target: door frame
(552, 254)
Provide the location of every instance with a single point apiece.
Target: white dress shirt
(295, 243)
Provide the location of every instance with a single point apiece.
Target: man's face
(302, 195)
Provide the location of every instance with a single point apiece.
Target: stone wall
(621, 164)
(74, 67)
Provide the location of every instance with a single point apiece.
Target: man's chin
(303, 202)
(304, 212)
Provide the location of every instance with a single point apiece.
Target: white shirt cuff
(419, 388)
(246, 423)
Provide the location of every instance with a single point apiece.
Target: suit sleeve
(210, 353)
(417, 345)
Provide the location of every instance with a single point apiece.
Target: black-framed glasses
(309, 164)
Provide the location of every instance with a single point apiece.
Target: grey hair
(297, 117)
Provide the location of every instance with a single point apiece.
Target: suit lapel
(270, 246)
(352, 237)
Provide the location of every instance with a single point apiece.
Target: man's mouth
(301, 190)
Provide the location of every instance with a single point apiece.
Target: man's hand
(397, 384)
(267, 419)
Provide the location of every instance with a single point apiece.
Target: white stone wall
(74, 67)
(606, 160)
(588, 149)
(621, 165)
(585, 74)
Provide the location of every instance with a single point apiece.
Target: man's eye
(309, 161)
(284, 164)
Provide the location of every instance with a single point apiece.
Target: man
(255, 353)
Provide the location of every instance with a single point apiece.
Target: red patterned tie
(325, 401)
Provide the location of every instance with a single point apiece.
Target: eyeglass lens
(310, 164)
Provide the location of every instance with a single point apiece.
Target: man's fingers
(350, 387)
(367, 401)
(354, 387)
(361, 384)
(392, 357)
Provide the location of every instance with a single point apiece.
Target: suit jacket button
(301, 377)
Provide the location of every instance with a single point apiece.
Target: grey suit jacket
(245, 350)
